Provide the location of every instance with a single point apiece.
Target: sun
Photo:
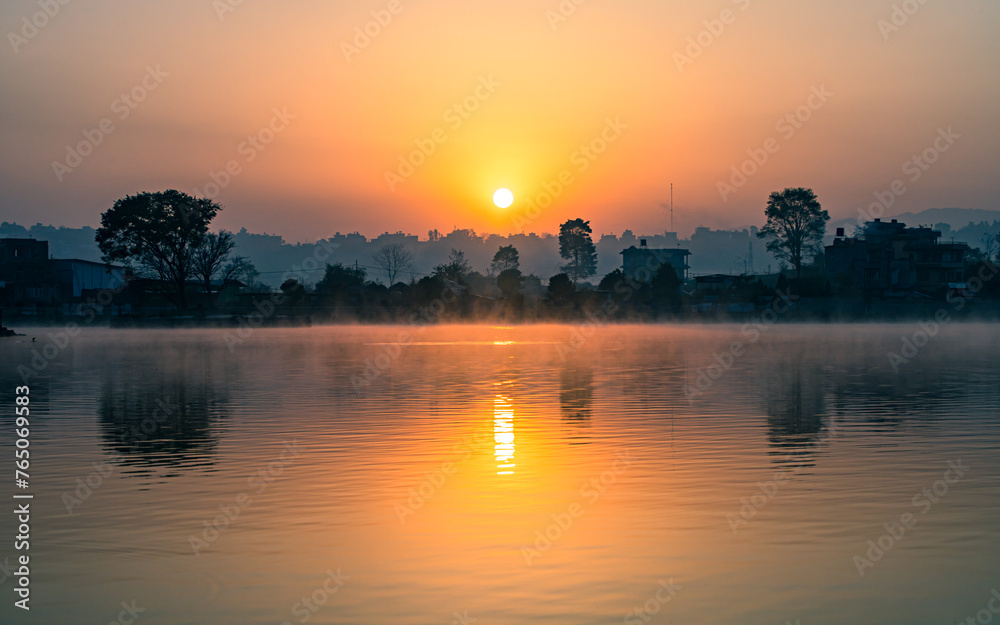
(503, 198)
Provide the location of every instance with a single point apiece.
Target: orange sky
(546, 88)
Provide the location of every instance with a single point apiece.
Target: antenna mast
(672, 207)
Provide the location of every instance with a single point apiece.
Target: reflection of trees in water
(794, 401)
(576, 392)
(816, 391)
(164, 415)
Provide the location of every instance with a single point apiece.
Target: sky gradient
(656, 95)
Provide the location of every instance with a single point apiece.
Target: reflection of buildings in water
(503, 431)
(576, 392)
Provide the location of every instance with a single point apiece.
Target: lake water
(510, 475)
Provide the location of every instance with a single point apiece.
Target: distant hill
(954, 217)
(964, 225)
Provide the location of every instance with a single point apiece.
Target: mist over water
(565, 474)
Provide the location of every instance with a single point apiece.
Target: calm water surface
(511, 475)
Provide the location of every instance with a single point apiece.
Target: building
(75, 276)
(29, 278)
(25, 275)
(888, 259)
(639, 264)
(716, 283)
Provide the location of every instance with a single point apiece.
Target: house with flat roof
(889, 259)
(640, 264)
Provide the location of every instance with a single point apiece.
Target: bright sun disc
(503, 198)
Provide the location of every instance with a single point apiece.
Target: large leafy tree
(159, 232)
(561, 289)
(505, 258)
(576, 247)
(510, 282)
(795, 225)
(339, 281)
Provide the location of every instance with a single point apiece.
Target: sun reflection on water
(503, 431)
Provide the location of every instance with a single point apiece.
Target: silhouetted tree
(990, 243)
(212, 260)
(505, 258)
(293, 290)
(211, 256)
(576, 246)
(510, 281)
(160, 232)
(561, 289)
(428, 289)
(795, 225)
(393, 258)
(610, 281)
(457, 269)
(338, 281)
